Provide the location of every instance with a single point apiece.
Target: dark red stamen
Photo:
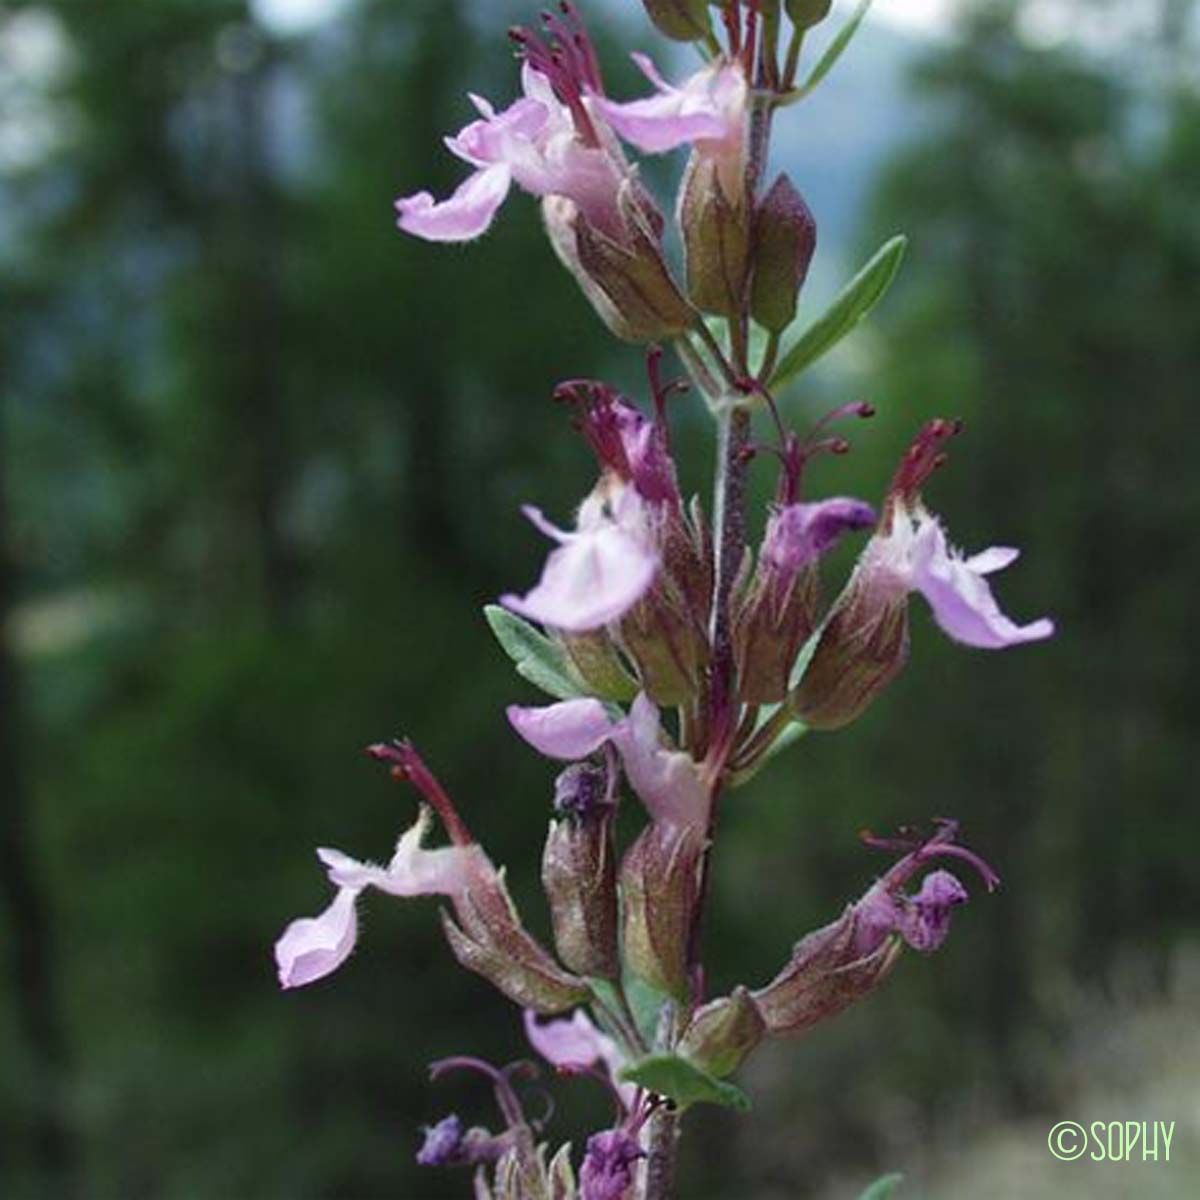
(568, 62)
(661, 391)
(917, 853)
(407, 764)
(598, 419)
(748, 47)
(796, 454)
(923, 457)
(733, 27)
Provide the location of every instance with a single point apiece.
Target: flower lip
(312, 947)
(443, 1143)
(708, 111)
(599, 571)
(799, 533)
(607, 1171)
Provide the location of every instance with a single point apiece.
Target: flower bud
(723, 1033)
(447, 1144)
(716, 237)
(680, 20)
(836, 965)
(785, 236)
(598, 665)
(863, 647)
(624, 276)
(579, 874)
(779, 611)
(490, 940)
(827, 972)
(807, 13)
(661, 638)
(659, 880)
(607, 1171)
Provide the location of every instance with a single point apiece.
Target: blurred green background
(260, 466)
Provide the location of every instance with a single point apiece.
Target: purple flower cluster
(680, 656)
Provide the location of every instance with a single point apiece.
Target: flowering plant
(679, 661)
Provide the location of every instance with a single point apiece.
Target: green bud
(807, 13)
(490, 940)
(661, 638)
(596, 661)
(681, 20)
(723, 1033)
(579, 875)
(785, 236)
(623, 274)
(827, 972)
(716, 238)
(862, 649)
(659, 882)
(770, 627)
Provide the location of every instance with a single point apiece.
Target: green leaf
(832, 53)
(647, 1002)
(536, 657)
(853, 303)
(882, 1188)
(670, 1075)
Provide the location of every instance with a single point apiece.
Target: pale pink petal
(995, 558)
(649, 68)
(569, 730)
(313, 947)
(413, 870)
(568, 1041)
(668, 782)
(575, 1041)
(962, 601)
(491, 139)
(464, 216)
(709, 107)
(595, 577)
(658, 124)
(537, 87)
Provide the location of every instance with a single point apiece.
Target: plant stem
(660, 1154)
(729, 540)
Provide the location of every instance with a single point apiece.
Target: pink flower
(599, 571)
(313, 947)
(708, 112)
(549, 142)
(668, 782)
(575, 1042)
(910, 553)
(923, 918)
(914, 555)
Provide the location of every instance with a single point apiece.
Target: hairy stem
(660, 1154)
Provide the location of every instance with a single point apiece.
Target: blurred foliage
(263, 460)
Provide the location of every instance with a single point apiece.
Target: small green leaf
(670, 1075)
(536, 657)
(882, 1188)
(832, 53)
(789, 737)
(853, 303)
(647, 1002)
